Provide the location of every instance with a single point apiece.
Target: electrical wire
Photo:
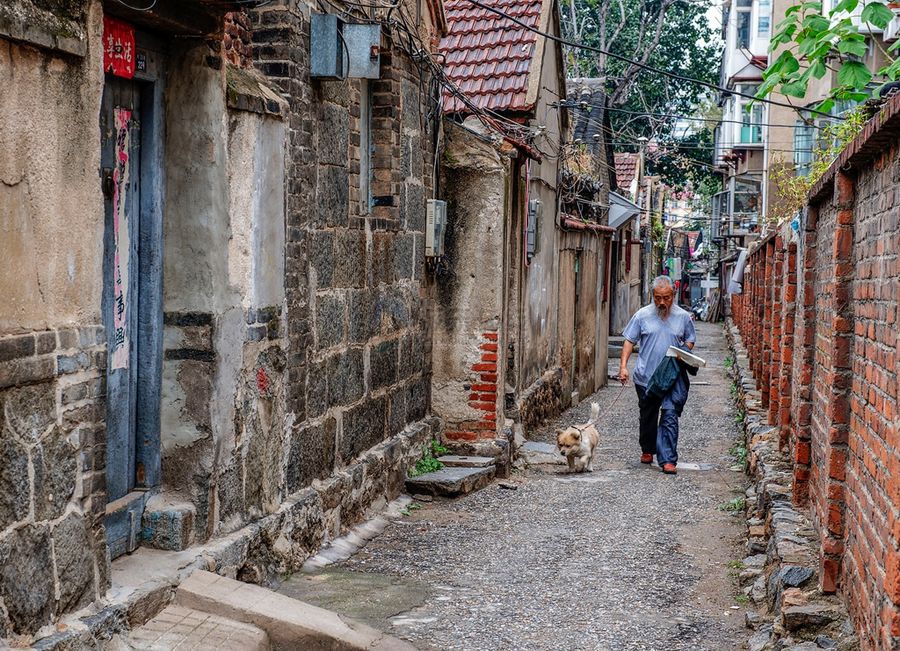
(133, 8)
(693, 119)
(642, 66)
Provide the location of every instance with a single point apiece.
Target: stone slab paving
(621, 559)
(184, 629)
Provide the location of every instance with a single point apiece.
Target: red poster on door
(118, 47)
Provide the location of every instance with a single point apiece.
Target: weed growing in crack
(409, 508)
(742, 599)
(729, 362)
(429, 462)
(737, 505)
(736, 565)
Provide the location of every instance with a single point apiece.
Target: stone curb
(780, 572)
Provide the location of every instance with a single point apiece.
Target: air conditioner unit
(533, 227)
(892, 31)
(435, 226)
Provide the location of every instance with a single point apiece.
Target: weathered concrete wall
(52, 352)
(468, 314)
(540, 280)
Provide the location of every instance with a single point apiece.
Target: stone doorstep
(450, 482)
(289, 623)
(457, 461)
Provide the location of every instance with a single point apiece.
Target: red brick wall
(482, 394)
(819, 316)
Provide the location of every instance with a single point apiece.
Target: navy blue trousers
(659, 425)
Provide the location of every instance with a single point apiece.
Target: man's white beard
(662, 312)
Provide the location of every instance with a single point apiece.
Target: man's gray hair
(662, 282)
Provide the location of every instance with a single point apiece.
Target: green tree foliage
(669, 34)
(814, 42)
(687, 161)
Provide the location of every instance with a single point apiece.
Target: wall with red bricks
(819, 313)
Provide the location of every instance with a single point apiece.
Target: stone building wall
(52, 348)
(834, 395)
(357, 355)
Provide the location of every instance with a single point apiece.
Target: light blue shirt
(655, 335)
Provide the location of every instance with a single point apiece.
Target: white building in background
(740, 136)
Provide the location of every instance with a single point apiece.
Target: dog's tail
(595, 411)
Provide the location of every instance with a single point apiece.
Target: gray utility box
(339, 50)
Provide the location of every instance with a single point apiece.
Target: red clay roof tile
(488, 56)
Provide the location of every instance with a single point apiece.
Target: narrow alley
(623, 558)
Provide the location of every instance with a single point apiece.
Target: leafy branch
(793, 188)
(815, 43)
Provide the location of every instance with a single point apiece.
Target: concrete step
(450, 482)
(187, 629)
(289, 623)
(536, 453)
(457, 461)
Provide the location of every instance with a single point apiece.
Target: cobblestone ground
(623, 558)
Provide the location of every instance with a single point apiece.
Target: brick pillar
(786, 358)
(838, 411)
(775, 319)
(805, 335)
(768, 288)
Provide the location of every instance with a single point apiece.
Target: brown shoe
(646, 458)
(670, 469)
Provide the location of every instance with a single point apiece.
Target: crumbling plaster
(49, 187)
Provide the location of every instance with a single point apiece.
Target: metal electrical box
(533, 227)
(364, 48)
(435, 226)
(339, 50)
(327, 56)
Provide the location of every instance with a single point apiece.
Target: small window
(804, 136)
(763, 22)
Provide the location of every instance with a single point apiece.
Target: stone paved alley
(624, 558)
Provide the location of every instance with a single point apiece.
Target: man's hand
(627, 348)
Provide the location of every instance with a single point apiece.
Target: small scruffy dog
(577, 443)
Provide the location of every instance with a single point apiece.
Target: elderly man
(656, 327)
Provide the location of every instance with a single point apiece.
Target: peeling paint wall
(540, 280)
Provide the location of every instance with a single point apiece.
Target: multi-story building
(740, 136)
(754, 139)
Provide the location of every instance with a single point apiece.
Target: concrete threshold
(290, 624)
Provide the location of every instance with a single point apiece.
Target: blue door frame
(133, 375)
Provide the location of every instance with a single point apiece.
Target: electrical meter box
(435, 226)
(533, 227)
(327, 56)
(339, 50)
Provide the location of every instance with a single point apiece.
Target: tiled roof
(626, 169)
(487, 56)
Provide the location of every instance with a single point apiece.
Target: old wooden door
(126, 252)
(586, 322)
(568, 279)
